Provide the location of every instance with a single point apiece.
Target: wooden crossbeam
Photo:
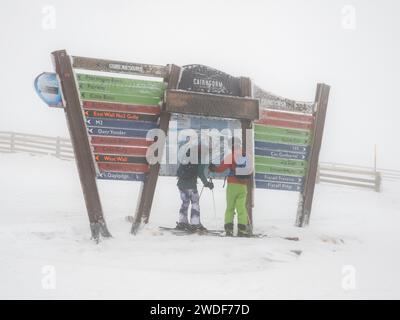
(211, 105)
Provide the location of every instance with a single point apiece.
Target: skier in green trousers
(236, 192)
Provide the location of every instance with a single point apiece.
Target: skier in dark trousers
(187, 185)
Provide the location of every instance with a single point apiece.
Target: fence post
(378, 177)
(58, 147)
(12, 142)
(318, 174)
(378, 180)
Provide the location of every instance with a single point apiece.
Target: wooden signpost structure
(288, 138)
(109, 117)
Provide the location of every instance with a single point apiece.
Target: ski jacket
(191, 183)
(229, 164)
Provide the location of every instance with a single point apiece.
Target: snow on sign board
(274, 102)
(282, 137)
(199, 78)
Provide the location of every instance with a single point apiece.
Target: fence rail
(335, 173)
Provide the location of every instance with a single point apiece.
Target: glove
(209, 185)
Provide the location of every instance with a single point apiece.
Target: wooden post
(306, 197)
(12, 142)
(149, 186)
(58, 147)
(378, 178)
(246, 91)
(80, 142)
(378, 181)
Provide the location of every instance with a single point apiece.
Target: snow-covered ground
(351, 250)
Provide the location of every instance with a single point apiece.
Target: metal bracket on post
(306, 197)
(143, 209)
(80, 143)
(246, 91)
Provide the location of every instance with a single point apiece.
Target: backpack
(187, 171)
(242, 164)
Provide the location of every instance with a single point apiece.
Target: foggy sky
(286, 47)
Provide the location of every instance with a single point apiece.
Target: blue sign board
(113, 132)
(281, 154)
(279, 186)
(123, 176)
(281, 146)
(278, 178)
(120, 124)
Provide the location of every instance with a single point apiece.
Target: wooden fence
(391, 175)
(36, 144)
(355, 176)
(334, 173)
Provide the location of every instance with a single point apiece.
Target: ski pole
(201, 192)
(215, 208)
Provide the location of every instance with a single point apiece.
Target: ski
(173, 228)
(221, 233)
(190, 232)
(214, 232)
(208, 232)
